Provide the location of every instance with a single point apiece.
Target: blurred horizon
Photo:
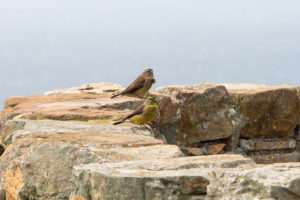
(46, 45)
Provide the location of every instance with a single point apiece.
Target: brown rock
(203, 113)
(267, 144)
(265, 111)
(167, 108)
(206, 149)
(196, 185)
(194, 151)
(215, 149)
(78, 198)
(81, 107)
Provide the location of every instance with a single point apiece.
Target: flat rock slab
(267, 144)
(76, 131)
(151, 179)
(93, 88)
(81, 107)
(276, 182)
(43, 153)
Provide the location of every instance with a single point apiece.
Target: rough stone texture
(215, 149)
(164, 179)
(81, 107)
(167, 108)
(45, 151)
(277, 182)
(265, 111)
(203, 113)
(275, 157)
(267, 144)
(86, 130)
(268, 151)
(45, 136)
(210, 149)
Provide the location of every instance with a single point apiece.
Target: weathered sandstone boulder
(203, 113)
(265, 111)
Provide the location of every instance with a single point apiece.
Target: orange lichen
(13, 184)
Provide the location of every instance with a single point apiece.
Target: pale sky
(50, 44)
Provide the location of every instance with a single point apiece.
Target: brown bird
(140, 85)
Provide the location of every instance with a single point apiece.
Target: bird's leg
(134, 129)
(149, 129)
(144, 126)
(140, 127)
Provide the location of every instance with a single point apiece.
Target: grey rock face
(176, 178)
(277, 181)
(44, 152)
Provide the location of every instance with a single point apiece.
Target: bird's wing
(137, 84)
(138, 111)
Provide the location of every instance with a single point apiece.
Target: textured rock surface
(154, 179)
(203, 113)
(267, 144)
(46, 136)
(277, 181)
(265, 111)
(44, 151)
(209, 149)
(81, 107)
(266, 150)
(94, 88)
(275, 157)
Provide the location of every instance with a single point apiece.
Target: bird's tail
(115, 95)
(118, 122)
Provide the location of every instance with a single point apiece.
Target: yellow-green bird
(140, 85)
(144, 114)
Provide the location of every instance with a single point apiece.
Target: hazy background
(53, 44)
